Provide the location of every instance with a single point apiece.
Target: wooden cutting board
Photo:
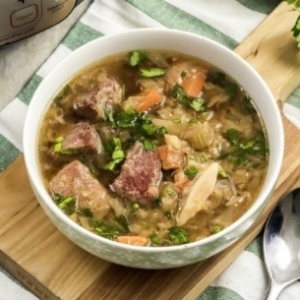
(52, 267)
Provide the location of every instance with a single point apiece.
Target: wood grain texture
(52, 267)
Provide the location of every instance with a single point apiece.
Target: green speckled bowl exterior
(165, 39)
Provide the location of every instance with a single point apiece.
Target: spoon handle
(274, 291)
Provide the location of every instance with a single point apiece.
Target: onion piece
(196, 193)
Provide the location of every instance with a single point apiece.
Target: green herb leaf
(198, 104)
(122, 220)
(127, 119)
(242, 148)
(296, 28)
(233, 136)
(247, 105)
(219, 78)
(148, 144)
(66, 204)
(87, 212)
(178, 235)
(152, 72)
(191, 172)
(117, 155)
(109, 115)
(104, 230)
(136, 58)
(216, 229)
(139, 126)
(175, 236)
(58, 147)
(222, 173)
(66, 90)
(150, 129)
(183, 74)
(110, 231)
(154, 238)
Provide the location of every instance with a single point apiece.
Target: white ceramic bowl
(206, 49)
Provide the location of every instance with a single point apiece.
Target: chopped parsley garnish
(178, 235)
(175, 236)
(122, 220)
(87, 212)
(110, 231)
(152, 72)
(222, 173)
(66, 204)
(136, 58)
(170, 191)
(216, 229)
(219, 78)
(154, 238)
(139, 125)
(242, 148)
(58, 146)
(117, 155)
(248, 106)
(233, 136)
(198, 104)
(148, 144)
(183, 74)
(106, 231)
(191, 172)
(66, 90)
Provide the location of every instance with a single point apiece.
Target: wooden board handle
(272, 47)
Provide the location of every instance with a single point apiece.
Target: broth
(153, 148)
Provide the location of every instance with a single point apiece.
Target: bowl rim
(31, 160)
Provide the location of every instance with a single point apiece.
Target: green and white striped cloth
(225, 21)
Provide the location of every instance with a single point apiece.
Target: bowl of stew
(153, 148)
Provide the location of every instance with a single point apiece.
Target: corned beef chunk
(83, 137)
(140, 175)
(92, 105)
(76, 180)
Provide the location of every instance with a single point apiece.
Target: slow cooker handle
(78, 2)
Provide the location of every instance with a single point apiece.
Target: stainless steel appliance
(23, 18)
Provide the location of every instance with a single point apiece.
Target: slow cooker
(22, 18)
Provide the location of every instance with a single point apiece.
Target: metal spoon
(281, 243)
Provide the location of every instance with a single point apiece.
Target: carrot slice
(193, 84)
(148, 99)
(132, 240)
